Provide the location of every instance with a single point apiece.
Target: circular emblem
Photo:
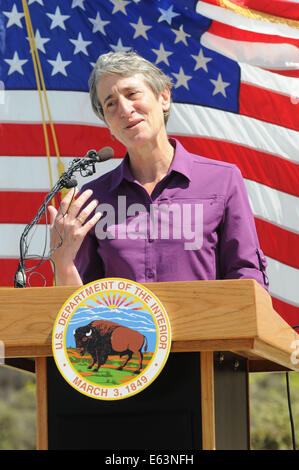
(111, 339)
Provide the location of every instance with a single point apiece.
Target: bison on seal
(102, 338)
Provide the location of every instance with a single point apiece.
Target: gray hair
(126, 64)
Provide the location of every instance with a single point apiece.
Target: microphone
(66, 180)
(101, 155)
(86, 165)
(70, 183)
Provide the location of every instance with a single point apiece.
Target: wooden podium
(221, 330)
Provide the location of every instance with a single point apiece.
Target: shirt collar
(181, 163)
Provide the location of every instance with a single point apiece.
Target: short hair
(126, 64)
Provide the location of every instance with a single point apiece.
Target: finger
(79, 203)
(84, 214)
(91, 222)
(53, 213)
(66, 201)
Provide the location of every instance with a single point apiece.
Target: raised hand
(68, 227)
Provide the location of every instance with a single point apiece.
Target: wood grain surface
(233, 315)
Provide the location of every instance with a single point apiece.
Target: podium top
(225, 315)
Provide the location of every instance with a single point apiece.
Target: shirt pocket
(197, 220)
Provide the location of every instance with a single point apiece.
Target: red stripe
(212, 2)
(280, 8)
(74, 140)
(277, 243)
(237, 34)
(286, 73)
(261, 104)
(290, 313)
(8, 269)
(261, 167)
(19, 207)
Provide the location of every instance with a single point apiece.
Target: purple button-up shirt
(196, 224)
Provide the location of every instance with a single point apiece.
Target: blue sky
(140, 321)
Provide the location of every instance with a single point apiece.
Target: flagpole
(40, 82)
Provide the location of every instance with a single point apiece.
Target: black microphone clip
(68, 182)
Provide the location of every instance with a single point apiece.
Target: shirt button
(149, 273)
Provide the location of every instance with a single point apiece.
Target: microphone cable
(290, 405)
(86, 167)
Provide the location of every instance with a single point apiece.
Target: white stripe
(32, 174)
(20, 174)
(270, 56)
(274, 206)
(65, 106)
(10, 235)
(185, 119)
(74, 106)
(284, 281)
(223, 15)
(288, 86)
(199, 121)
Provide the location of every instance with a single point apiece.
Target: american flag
(235, 67)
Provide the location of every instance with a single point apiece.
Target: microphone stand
(86, 166)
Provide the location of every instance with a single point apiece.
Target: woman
(163, 214)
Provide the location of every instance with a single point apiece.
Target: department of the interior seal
(111, 339)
